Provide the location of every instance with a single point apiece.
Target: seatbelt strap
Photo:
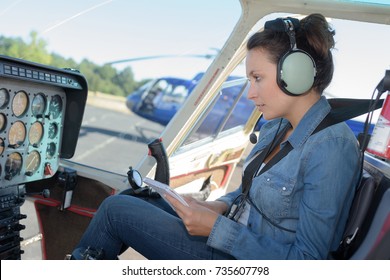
(254, 165)
(342, 109)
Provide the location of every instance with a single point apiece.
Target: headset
(296, 69)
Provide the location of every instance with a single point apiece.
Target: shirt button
(268, 179)
(284, 188)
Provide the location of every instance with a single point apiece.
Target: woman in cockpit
(292, 204)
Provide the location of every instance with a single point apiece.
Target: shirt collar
(309, 122)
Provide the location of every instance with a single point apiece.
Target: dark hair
(313, 36)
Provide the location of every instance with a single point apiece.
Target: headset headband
(279, 24)
(287, 25)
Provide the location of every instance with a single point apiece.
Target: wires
(380, 89)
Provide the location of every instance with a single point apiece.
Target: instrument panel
(31, 122)
(41, 110)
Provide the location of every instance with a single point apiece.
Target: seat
(376, 243)
(354, 231)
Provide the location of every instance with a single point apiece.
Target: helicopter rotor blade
(206, 56)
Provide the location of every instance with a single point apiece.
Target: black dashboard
(41, 111)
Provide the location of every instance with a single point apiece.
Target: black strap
(254, 165)
(348, 108)
(342, 110)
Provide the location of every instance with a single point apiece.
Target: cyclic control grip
(157, 150)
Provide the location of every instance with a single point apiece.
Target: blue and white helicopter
(159, 99)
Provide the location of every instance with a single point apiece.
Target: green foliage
(104, 78)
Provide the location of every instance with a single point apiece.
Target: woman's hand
(199, 217)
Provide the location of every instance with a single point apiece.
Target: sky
(108, 30)
(104, 31)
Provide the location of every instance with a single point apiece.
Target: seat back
(376, 243)
(354, 230)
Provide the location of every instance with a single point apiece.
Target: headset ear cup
(296, 72)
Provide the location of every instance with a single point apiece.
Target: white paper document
(163, 189)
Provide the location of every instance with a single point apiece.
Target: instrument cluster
(31, 125)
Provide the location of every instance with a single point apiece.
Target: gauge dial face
(36, 133)
(38, 105)
(55, 107)
(13, 165)
(20, 103)
(32, 162)
(53, 130)
(3, 122)
(51, 150)
(1, 146)
(4, 98)
(137, 178)
(17, 134)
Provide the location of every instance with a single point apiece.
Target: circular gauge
(13, 165)
(53, 129)
(35, 133)
(1, 146)
(17, 134)
(135, 178)
(38, 105)
(55, 107)
(3, 122)
(20, 103)
(4, 97)
(51, 150)
(32, 162)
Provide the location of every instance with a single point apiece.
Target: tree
(100, 78)
(125, 80)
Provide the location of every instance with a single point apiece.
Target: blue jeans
(149, 226)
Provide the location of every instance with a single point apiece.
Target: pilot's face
(264, 91)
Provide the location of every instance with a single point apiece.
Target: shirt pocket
(274, 194)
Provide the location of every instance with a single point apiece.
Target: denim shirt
(309, 192)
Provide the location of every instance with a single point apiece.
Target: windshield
(120, 46)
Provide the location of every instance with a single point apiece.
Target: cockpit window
(231, 109)
(175, 94)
